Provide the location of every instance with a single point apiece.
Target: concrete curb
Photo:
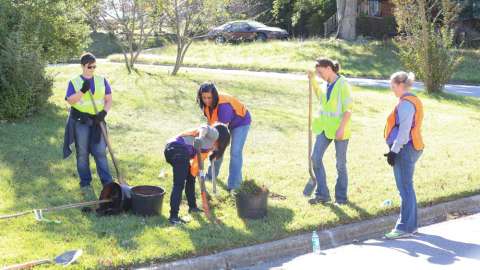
(301, 244)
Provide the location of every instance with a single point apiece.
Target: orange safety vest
(194, 168)
(239, 108)
(416, 130)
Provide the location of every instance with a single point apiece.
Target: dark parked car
(245, 30)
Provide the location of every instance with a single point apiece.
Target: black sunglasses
(92, 67)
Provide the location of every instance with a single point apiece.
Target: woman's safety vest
(238, 108)
(85, 103)
(194, 168)
(416, 130)
(330, 113)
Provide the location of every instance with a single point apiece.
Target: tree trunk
(347, 19)
(425, 32)
(180, 46)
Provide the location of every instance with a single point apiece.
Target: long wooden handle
(203, 189)
(107, 141)
(214, 177)
(310, 97)
(57, 208)
(27, 265)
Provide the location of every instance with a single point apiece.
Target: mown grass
(373, 59)
(153, 107)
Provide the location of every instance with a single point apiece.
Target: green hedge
(24, 84)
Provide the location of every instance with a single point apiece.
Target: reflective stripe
(331, 114)
(336, 114)
(88, 102)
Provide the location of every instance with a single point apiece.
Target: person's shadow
(438, 249)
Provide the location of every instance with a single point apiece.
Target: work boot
(88, 194)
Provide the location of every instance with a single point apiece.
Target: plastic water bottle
(315, 243)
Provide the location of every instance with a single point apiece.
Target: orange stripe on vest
(416, 130)
(239, 108)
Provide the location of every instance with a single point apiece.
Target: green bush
(24, 84)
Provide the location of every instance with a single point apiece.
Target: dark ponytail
(327, 62)
(223, 140)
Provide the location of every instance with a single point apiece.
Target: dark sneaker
(341, 202)
(318, 200)
(195, 210)
(175, 221)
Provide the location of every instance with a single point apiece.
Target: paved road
(453, 244)
(464, 90)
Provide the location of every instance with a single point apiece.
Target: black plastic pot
(252, 206)
(147, 200)
(120, 196)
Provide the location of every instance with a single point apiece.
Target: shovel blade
(68, 257)
(309, 187)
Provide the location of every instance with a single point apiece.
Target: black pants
(177, 155)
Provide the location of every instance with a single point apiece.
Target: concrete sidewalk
(453, 244)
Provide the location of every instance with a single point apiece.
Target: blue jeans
(321, 145)
(238, 136)
(403, 170)
(84, 148)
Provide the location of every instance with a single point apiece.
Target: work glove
(390, 157)
(100, 117)
(85, 86)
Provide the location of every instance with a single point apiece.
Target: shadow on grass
(31, 149)
(456, 99)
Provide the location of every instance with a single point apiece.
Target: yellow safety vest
(330, 113)
(85, 103)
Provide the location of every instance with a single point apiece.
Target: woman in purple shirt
(221, 107)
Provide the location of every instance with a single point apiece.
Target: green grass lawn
(369, 59)
(151, 108)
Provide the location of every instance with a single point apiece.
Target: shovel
(64, 259)
(107, 141)
(312, 181)
(214, 177)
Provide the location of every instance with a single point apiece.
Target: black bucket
(147, 200)
(252, 206)
(120, 196)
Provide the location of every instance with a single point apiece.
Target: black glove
(390, 157)
(100, 117)
(85, 86)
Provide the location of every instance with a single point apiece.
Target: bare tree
(188, 20)
(132, 22)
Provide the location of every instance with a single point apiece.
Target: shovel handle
(107, 141)
(310, 135)
(27, 264)
(214, 177)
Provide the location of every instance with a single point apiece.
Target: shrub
(249, 186)
(24, 85)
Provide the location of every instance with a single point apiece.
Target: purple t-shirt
(71, 89)
(227, 115)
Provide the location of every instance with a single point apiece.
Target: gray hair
(403, 77)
